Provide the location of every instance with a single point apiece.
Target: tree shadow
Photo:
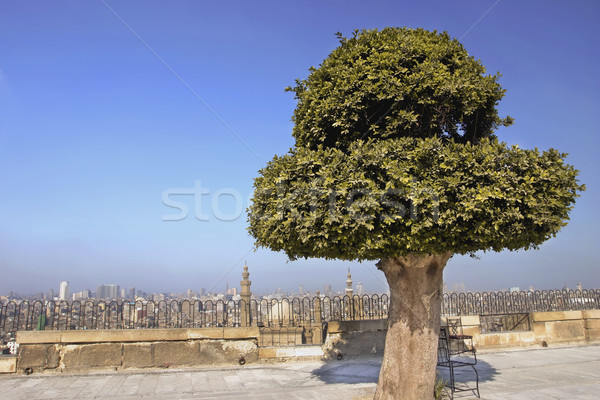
(366, 370)
(349, 370)
(465, 378)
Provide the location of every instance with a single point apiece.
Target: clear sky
(108, 106)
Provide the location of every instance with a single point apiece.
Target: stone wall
(558, 327)
(75, 351)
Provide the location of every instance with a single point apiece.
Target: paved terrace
(548, 373)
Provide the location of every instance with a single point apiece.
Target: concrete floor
(549, 373)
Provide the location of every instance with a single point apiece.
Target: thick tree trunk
(410, 356)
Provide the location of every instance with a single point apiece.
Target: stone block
(137, 355)
(38, 357)
(562, 331)
(38, 337)
(240, 333)
(234, 349)
(505, 339)
(211, 352)
(590, 314)
(591, 323)
(470, 320)
(8, 364)
(165, 354)
(539, 330)
(207, 333)
(354, 344)
(555, 316)
(77, 357)
(592, 334)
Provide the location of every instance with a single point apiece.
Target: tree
(396, 160)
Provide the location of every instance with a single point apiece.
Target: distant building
(132, 293)
(108, 292)
(63, 292)
(514, 289)
(349, 290)
(360, 290)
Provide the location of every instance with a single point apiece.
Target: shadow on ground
(366, 370)
(352, 371)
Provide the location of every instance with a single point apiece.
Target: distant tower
(579, 286)
(301, 291)
(245, 297)
(63, 293)
(349, 291)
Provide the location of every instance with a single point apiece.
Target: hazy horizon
(113, 114)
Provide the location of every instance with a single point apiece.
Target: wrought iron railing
(118, 314)
(91, 314)
(491, 303)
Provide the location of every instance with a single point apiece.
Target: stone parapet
(134, 335)
(77, 351)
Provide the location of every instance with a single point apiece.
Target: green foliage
(395, 154)
(394, 197)
(439, 390)
(394, 83)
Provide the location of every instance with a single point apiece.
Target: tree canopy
(395, 154)
(394, 83)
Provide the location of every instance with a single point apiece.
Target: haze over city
(131, 133)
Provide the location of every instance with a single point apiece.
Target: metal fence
(118, 314)
(493, 303)
(90, 314)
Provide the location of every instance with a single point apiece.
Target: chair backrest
(454, 326)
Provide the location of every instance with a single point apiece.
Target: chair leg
(476, 381)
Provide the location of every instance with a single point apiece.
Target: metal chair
(459, 343)
(452, 359)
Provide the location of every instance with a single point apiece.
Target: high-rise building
(108, 292)
(360, 290)
(132, 293)
(63, 292)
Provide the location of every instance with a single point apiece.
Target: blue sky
(106, 105)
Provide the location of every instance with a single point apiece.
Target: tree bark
(410, 355)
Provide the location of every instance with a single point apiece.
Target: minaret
(349, 291)
(245, 297)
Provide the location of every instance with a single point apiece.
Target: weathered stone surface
(38, 337)
(137, 355)
(592, 323)
(505, 339)
(291, 352)
(555, 316)
(591, 314)
(234, 349)
(166, 354)
(211, 352)
(560, 331)
(91, 356)
(354, 344)
(8, 364)
(240, 333)
(38, 357)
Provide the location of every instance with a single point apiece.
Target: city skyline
(131, 135)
